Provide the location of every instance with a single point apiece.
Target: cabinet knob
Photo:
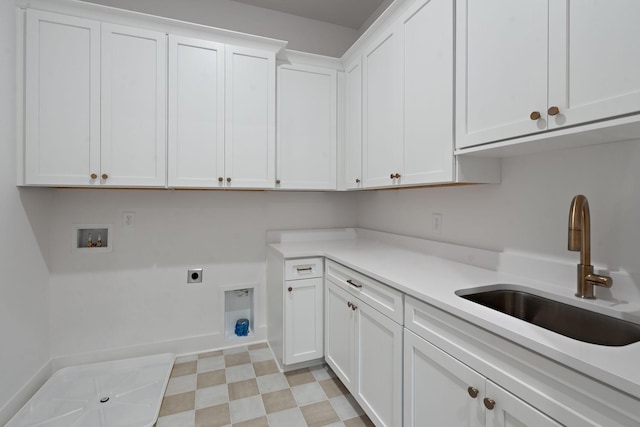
(105, 176)
(392, 176)
(357, 180)
(397, 176)
(489, 403)
(349, 304)
(290, 289)
(277, 181)
(220, 179)
(535, 115)
(228, 179)
(553, 111)
(94, 176)
(473, 392)
(353, 307)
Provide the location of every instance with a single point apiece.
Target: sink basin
(568, 320)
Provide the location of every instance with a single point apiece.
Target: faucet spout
(579, 239)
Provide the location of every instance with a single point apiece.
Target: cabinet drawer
(305, 268)
(383, 298)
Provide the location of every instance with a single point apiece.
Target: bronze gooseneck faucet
(580, 240)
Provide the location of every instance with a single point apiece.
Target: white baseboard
(24, 394)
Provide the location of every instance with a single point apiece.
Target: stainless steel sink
(565, 319)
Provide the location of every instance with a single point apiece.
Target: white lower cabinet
(303, 324)
(439, 390)
(364, 348)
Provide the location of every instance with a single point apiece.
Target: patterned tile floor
(243, 387)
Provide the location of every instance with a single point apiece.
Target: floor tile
(214, 416)
(212, 396)
(209, 379)
(257, 346)
(319, 414)
(178, 403)
(242, 389)
(299, 377)
(273, 382)
(256, 422)
(184, 359)
(180, 369)
(246, 409)
(210, 364)
(277, 401)
(265, 367)
(181, 419)
(181, 384)
(240, 349)
(240, 373)
(260, 354)
(308, 393)
(322, 372)
(210, 354)
(362, 421)
(333, 387)
(290, 418)
(236, 359)
(346, 407)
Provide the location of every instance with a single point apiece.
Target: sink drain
(104, 400)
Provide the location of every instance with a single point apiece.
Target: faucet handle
(597, 280)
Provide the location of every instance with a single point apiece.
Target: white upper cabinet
(307, 134)
(353, 124)
(527, 67)
(594, 59)
(133, 107)
(62, 105)
(427, 44)
(382, 110)
(250, 104)
(196, 113)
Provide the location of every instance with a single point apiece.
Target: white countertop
(434, 280)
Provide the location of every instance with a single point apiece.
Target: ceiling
(347, 13)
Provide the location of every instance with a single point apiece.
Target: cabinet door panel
(250, 118)
(196, 112)
(509, 411)
(501, 62)
(379, 361)
(353, 124)
(427, 37)
(382, 110)
(593, 60)
(62, 99)
(340, 334)
(307, 135)
(303, 320)
(436, 387)
(133, 151)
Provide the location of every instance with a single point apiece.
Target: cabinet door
(379, 362)
(304, 314)
(250, 106)
(340, 333)
(196, 113)
(593, 60)
(62, 99)
(353, 124)
(501, 69)
(427, 39)
(307, 134)
(134, 86)
(511, 411)
(437, 387)
(382, 110)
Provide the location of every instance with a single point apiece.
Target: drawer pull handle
(489, 403)
(304, 269)
(473, 392)
(352, 283)
(290, 289)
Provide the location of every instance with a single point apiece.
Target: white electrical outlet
(129, 219)
(436, 224)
